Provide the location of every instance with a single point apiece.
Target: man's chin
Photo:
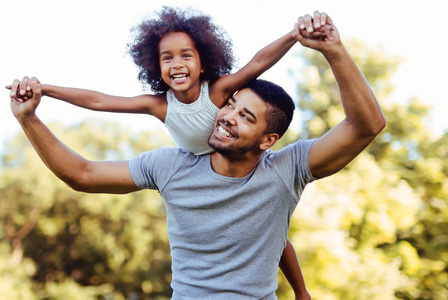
(223, 150)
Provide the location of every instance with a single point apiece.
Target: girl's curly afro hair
(211, 41)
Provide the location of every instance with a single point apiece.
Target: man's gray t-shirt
(226, 234)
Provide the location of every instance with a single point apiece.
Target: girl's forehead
(176, 37)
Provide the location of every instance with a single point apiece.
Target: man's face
(239, 126)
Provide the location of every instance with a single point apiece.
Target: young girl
(186, 61)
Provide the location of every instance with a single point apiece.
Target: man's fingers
(315, 22)
(317, 19)
(13, 87)
(308, 23)
(23, 86)
(318, 35)
(323, 19)
(35, 87)
(21, 90)
(35, 79)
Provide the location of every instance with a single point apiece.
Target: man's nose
(230, 117)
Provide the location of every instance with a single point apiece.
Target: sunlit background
(83, 44)
(376, 230)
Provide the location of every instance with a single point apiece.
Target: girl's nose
(177, 66)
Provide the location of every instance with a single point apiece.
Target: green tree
(63, 244)
(378, 229)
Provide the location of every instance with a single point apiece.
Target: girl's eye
(230, 105)
(165, 58)
(187, 55)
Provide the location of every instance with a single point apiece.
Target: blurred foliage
(60, 244)
(376, 230)
(379, 228)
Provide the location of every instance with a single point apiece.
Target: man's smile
(225, 132)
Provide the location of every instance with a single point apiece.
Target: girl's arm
(227, 85)
(144, 104)
(289, 264)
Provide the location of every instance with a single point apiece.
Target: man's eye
(245, 117)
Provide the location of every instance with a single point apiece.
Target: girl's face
(180, 65)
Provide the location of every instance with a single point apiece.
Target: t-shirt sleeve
(291, 163)
(152, 169)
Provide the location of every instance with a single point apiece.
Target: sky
(83, 44)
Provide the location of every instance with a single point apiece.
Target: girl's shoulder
(156, 105)
(218, 93)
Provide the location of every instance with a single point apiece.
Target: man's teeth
(225, 132)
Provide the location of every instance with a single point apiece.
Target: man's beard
(230, 150)
(223, 150)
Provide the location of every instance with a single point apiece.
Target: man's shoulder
(170, 151)
(299, 146)
(169, 154)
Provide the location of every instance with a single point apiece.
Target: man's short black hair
(280, 106)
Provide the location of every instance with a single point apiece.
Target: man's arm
(77, 172)
(290, 266)
(364, 118)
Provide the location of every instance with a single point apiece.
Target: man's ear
(268, 140)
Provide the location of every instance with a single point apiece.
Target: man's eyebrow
(247, 111)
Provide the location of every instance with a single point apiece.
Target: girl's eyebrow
(247, 111)
(183, 50)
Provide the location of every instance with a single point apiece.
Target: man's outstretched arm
(364, 118)
(76, 171)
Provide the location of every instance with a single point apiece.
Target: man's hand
(21, 90)
(20, 106)
(317, 32)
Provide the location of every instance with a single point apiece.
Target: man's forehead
(248, 99)
(246, 96)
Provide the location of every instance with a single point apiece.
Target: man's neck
(240, 167)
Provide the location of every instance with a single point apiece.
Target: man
(228, 212)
